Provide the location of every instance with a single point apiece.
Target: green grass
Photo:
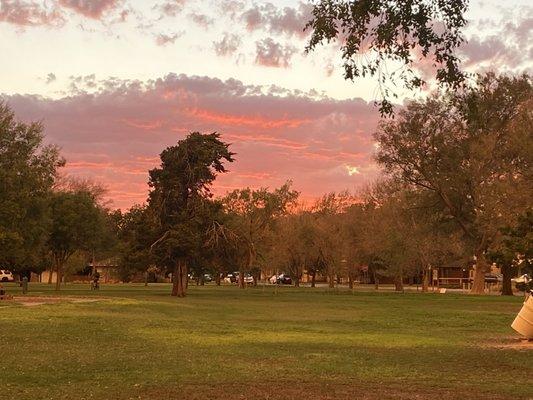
(221, 342)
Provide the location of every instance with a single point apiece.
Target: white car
(248, 279)
(6, 276)
(522, 283)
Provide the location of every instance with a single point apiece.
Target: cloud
(94, 9)
(162, 39)
(231, 8)
(228, 45)
(287, 20)
(51, 77)
(30, 13)
(272, 54)
(508, 46)
(201, 19)
(53, 13)
(114, 133)
(171, 8)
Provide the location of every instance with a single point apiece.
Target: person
(96, 279)
(24, 285)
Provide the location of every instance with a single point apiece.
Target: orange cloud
(257, 121)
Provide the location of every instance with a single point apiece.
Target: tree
(223, 244)
(135, 229)
(28, 169)
(388, 230)
(468, 151)
(515, 250)
(353, 236)
(77, 225)
(373, 33)
(179, 200)
(327, 219)
(292, 249)
(252, 213)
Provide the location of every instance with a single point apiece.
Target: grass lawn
(225, 343)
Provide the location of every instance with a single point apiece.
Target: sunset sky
(116, 81)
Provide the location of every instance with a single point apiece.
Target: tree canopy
(468, 151)
(180, 190)
(378, 36)
(28, 170)
(78, 224)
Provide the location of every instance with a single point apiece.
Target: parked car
(208, 278)
(281, 279)
(248, 278)
(523, 283)
(231, 277)
(6, 276)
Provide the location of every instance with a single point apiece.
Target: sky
(116, 81)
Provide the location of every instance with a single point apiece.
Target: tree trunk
(217, 278)
(146, 279)
(175, 281)
(50, 275)
(331, 280)
(507, 287)
(242, 284)
(296, 281)
(179, 280)
(184, 281)
(350, 281)
(425, 280)
(58, 275)
(313, 279)
(478, 286)
(398, 283)
(376, 280)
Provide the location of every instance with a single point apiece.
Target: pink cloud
(90, 8)
(508, 47)
(115, 135)
(162, 39)
(171, 8)
(272, 54)
(228, 45)
(53, 13)
(30, 13)
(201, 19)
(287, 20)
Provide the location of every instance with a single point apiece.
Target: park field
(137, 342)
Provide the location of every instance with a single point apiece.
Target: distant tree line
(456, 187)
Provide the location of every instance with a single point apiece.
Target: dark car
(281, 279)
(523, 283)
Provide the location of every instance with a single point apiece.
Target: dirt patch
(513, 343)
(31, 301)
(305, 390)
